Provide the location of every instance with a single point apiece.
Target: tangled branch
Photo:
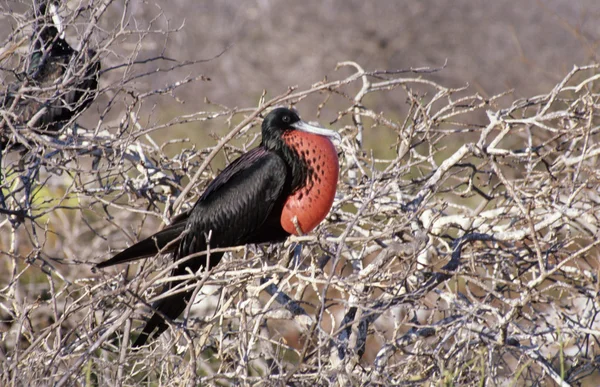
(462, 244)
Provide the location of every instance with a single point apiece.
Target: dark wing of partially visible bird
(52, 106)
(238, 208)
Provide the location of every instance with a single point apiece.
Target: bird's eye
(286, 119)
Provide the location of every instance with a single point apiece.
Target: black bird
(293, 173)
(50, 58)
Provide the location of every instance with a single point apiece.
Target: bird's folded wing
(237, 203)
(234, 205)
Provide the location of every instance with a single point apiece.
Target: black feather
(149, 246)
(242, 205)
(237, 207)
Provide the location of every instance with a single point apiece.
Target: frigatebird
(284, 186)
(50, 106)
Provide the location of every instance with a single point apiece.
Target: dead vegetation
(462, 252)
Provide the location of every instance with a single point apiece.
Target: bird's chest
(311, 203)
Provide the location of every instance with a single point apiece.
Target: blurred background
(524, 47)
(494, 46)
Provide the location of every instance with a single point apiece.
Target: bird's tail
(170, 307)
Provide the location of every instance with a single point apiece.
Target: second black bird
(45, 107)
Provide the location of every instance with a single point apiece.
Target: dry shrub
(462, 250)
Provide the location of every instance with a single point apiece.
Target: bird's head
(283, 120)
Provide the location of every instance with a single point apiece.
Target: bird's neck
(298, 169)
(297, 165)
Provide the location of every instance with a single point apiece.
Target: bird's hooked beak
(305, 127)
